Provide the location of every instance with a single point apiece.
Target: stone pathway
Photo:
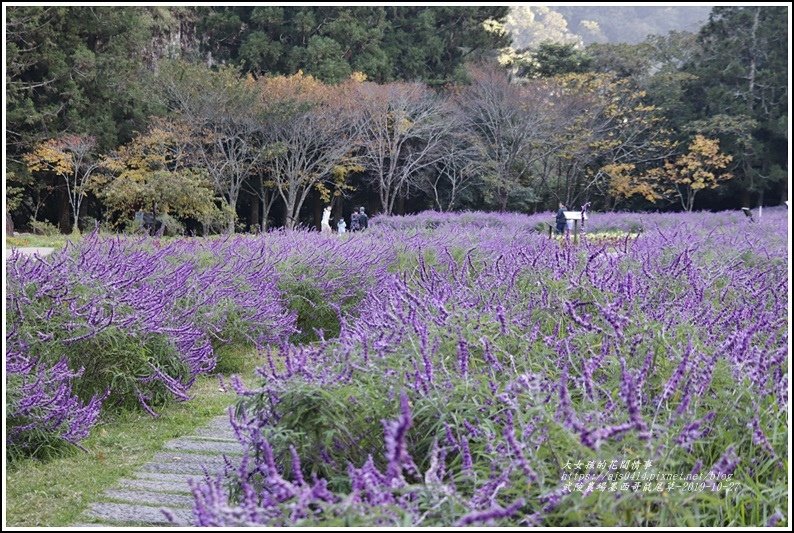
(41, 252)
(163, 482)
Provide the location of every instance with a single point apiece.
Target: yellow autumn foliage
(151, 170)
(700, 168)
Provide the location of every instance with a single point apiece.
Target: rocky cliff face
(174, 34)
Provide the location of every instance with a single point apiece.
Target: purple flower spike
(491, 515)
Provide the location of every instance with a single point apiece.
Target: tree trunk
(745, 198)
(64, 212)
(317, 211)
(339, 211)
(232, 213)
(503, 202)
(253, 215)
(83, 207)
(384, 203)
(690, 202)
(753, 66)
(290, 213)
(267, 204)
(287, 216)
(76, 218)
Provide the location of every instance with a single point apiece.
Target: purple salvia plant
(695, 431)
(490, 515)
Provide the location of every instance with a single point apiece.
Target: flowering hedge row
(464, 371)
(489, 360)
(124, 322)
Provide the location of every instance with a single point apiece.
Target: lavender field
(437, 369)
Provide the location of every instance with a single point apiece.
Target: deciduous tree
(680, 179)
(509, 124)
(308, 135)
(73, 158)
(699, 169)
(225, 118)
(151, 173)
(401, 130)
(602, 124)
(456, 171)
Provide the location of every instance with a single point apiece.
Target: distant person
(585, 209)
(341, 226)
(560, 219)
(325, 226)
(354, 220)
(363, 219)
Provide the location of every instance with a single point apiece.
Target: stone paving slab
(153, 476)
(162, 483)
(219, 422)
(156, 486)
(184, 463)
(171, 457)
(219, 426)
(124, 512)
(194, 445)
(215, 434)
(195, 469)
(149, 498)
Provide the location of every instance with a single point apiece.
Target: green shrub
(116, 360)
(313, 308)
(119, 360)
(235, 358)
(88, 223)
(132, 227)
(171, 226)
(42, 227)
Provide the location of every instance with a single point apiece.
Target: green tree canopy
(385, 43)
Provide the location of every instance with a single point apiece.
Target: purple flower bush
(40, 405)
(134, 321)
(157, 312)
(491, 368)
(440, 369)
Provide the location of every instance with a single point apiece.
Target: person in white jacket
(325, 226)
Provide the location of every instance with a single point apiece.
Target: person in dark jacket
(560, 219)
(363, 219)
(354, 221)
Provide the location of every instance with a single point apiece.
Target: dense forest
(240, 118)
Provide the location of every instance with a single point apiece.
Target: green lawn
(39, 241)
(55, 492)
